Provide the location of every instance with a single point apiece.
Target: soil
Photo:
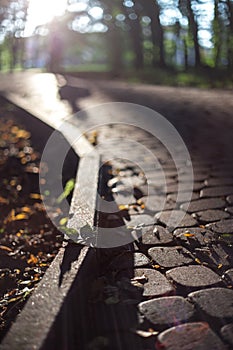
(28, 239)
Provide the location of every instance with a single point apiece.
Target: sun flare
(43, 11)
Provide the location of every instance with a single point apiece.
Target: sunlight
(43, 11)
(96, 12)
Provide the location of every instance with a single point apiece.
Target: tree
(186, 9)
(152, 10)
(12, 23)
(229, 4)
(133, 19)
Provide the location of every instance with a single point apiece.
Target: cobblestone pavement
(172, 288)
(180, 277)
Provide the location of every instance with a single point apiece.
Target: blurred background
(171, 42)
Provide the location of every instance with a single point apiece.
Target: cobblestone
(129, 260)
(219, 181)
(167, 311)
(227, 333)
(154, 203)
(228, 276)
(187, 220)
(143, 221)
(197, 177)
(214, 302)
(189, 336)
(211, 215)
(194, 236)
(156, 284)
(170, 256)
(203, 204)
(193, 276)
(146, 190)
(216, 191)
(222, 227)
(157, 235)
(184, 187)
(183, 197)
(140, 259)
(215, 256)
(229, 210)
(230, 199)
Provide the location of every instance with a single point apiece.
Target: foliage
(124, 34)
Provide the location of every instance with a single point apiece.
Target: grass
(205, 77)
(201, 78)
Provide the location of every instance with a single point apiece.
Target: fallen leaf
(32, 260)
(3, 200)
(156, 266)
(35, 196)
(145, 334)
(187, 234)
(26, 209)
(3, 247)
(123, 207)
(141, 279)
(21, 216)
(63, 221)
(198, 261)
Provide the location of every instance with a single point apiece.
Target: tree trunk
(114, 42)
(194, 31)
(217, 35)
(185, 54)
(230, 35)
(153, 11)
(137, 43)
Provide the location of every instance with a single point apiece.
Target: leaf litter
(28, 240)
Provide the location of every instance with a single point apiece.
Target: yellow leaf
(35, 196)
(219, 266)
(32, 260)
(123, 207)
(23, 134)
(146, 334)
(188, 234)
(26, 210)
(156, 266)
(10, 217)
(198, 261)
(21, 216)
(63, 221)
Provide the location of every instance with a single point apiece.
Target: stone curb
(32, 326)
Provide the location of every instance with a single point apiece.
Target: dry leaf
(32, 260)
(188, 234)
(26, 209)
(3, 200)
(145, 334)
(3, 247)
(198, 261)
(21, 216)
(35, 196)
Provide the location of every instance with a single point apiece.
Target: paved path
(176, 281)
